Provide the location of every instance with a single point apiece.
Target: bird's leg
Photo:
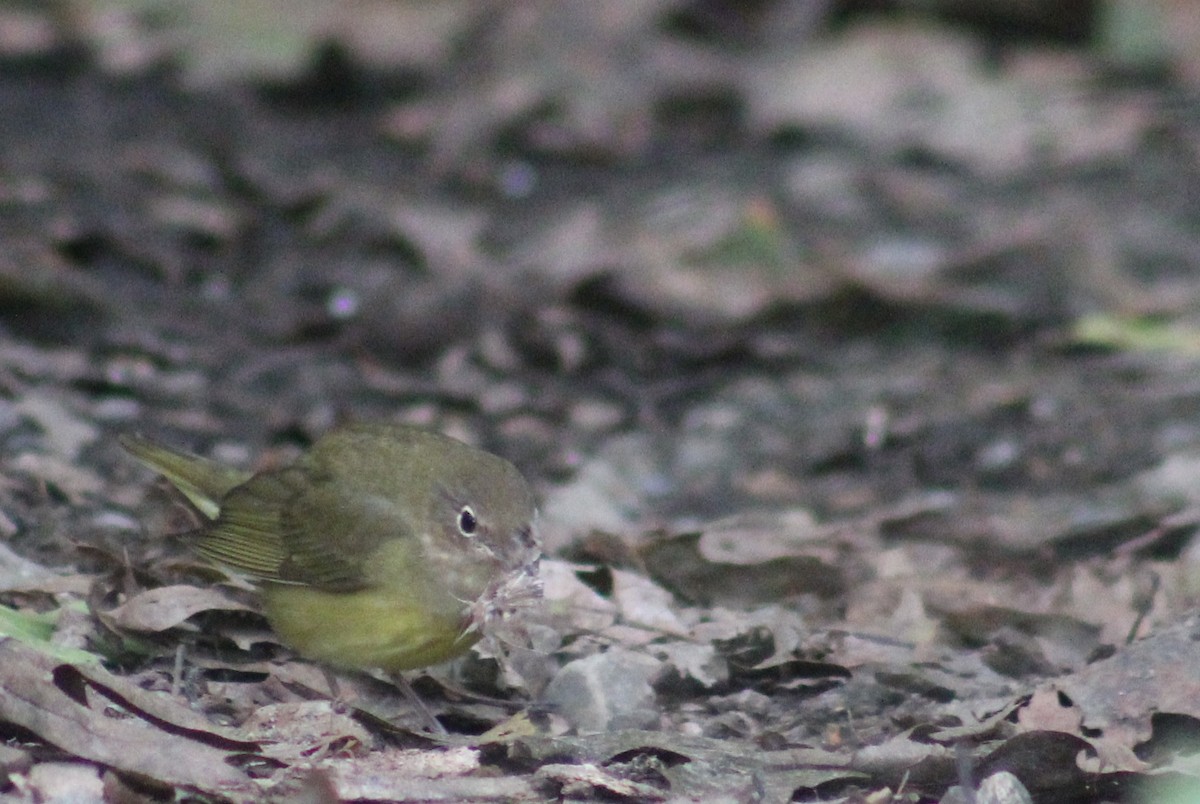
(414, 700)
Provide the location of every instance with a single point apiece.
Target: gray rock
(607, 691)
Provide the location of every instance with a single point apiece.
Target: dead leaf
(62, 781)
(643, 603)
(699, 768)
(1046, 763)
(1049, 710)
(679, 564)
(65, 432)
(417, 775)
(18, 572)
(1116, 697)
(306, 730)
(591, 781)
(995, 121)
(92, 714)
(75, 483)
(168, 606)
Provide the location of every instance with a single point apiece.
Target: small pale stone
(607, 691)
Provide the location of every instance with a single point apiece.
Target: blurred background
(804, 317)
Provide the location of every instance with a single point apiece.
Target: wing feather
(296, 526)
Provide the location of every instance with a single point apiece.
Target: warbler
(383, 546)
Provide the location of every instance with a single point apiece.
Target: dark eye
(467, 522)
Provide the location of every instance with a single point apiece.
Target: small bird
(384, 546)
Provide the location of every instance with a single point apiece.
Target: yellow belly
(372, 628)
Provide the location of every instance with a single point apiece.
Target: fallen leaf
(301, 731)
(102, 718)
(168, 606)
(592, 781)
(1116, 697)
(38, 629)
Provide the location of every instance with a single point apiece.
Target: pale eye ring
(467, 523)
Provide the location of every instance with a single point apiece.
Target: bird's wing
(295, 526)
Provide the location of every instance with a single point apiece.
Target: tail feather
(204, 482)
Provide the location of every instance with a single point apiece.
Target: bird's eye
(467, 523)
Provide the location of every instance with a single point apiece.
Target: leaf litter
(837, 506)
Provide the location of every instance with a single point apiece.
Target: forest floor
(854, 358)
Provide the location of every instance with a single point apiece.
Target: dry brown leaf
(75, 483)
(90, 713)
(306, 730)
(415, 775)
(62, 781)
(678, 562)
(168, 606)
(643, 603)
(1117, 696)
(865, 80)
(66, 432)
(571, 601)
(591, 781)
(1048, 710)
